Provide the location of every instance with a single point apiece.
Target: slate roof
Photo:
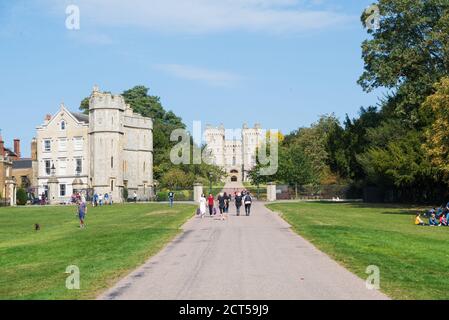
(81, 117)
(22, 164)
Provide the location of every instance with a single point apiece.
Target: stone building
(237, 156)
(24, 170)
(7, 183)
(106, 151)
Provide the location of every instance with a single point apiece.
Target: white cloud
(211, 77)
(207, 16)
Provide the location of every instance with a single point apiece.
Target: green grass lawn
(116, 240)
(413, 261)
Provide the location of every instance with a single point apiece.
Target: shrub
(22, 197)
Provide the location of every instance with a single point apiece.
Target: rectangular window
(47, 167)
(78, 144)
(47, 145)
(79, 166)
(62, 145)
(112, 185)
(62, 167)
(62, 190)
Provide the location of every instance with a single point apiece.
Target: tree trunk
(296, 191)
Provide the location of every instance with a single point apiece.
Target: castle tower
(251, 140)
(215, 141)
(106, 113)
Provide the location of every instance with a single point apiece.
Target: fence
(180, 195)
(314, 192)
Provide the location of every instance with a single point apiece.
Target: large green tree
(408, 53)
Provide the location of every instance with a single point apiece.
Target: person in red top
(210, 202)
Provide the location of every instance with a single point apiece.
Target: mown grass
(116, 240)
(413, 261)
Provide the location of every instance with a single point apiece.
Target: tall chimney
(17, 148)
(34, 149)
(2, 147)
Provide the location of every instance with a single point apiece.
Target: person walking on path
(248, 202)
(227, 200)
(82, 211)
(203, 203)
(210, 202)
(238, 202)
(171, 198)
(221, 205)
(135, 197)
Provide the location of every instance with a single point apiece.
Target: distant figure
(221, 205)
(433, 222)
(135, 197)
(95, 202)
(210, 202)
(82, 211)
(100, 199)
(248, 202)
(106, 199)
(111, 202)
(443, 221)
(171, 198)
(418, 220)
(227, 201)
(37, 227)
(203, 203)
(238, 202)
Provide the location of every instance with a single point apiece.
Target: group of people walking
(224, 201)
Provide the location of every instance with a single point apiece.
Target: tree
(21, 196)
(408, 53)
(437, 133)
(294, 167)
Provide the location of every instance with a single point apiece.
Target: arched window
(62, 125)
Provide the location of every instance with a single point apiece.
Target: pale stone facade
(106, 151)
(62, 144)
(236, 156)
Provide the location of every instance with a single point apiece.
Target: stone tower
(106, 114)
(251, 139)
(215, 140)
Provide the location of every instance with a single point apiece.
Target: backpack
(248, 200)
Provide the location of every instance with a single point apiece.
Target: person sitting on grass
(443, 221)
(433, 222)
(418, 220)
(439, 212)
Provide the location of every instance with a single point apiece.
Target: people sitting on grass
(433, 222)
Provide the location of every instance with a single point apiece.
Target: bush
(22, 197)
(125, 194)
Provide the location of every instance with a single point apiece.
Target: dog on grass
(37, 226)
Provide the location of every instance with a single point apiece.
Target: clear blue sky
(278, 62)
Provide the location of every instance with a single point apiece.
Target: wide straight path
(256, 257)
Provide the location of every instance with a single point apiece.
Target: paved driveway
(256, 257)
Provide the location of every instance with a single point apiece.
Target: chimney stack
(17, 148)
(2, 147)
(34, 149)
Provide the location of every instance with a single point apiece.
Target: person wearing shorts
(82, 210)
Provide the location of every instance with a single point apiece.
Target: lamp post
(53, 186)
(210, 182)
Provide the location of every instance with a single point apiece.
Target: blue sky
(278, 62)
